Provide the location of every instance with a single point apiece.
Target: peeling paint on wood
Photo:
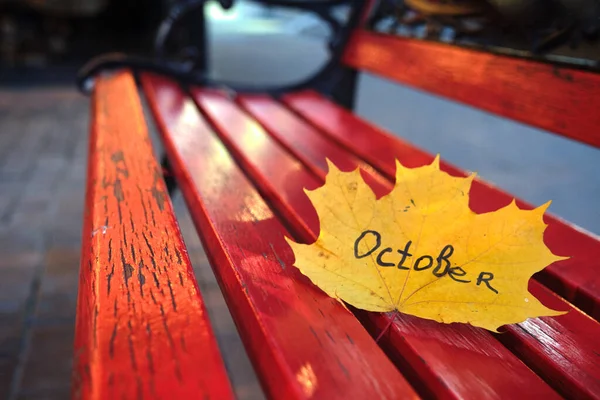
(126, 326)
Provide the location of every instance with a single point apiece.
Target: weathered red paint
(576, 279)
(562, 349)
(142, 330)
(302, 343)
(561, 100)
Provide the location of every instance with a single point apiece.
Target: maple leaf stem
(387, 327)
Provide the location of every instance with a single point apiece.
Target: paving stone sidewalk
(42, 168)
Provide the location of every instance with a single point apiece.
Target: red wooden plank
(293, 139)
(302, 343)
(142, 330)
(564, 349)
(560, 100)
(575, 279)
(427, 348)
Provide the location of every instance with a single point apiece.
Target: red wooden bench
(241, 161)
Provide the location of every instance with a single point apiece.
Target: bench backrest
(561, 100)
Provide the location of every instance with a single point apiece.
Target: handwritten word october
(442, 267)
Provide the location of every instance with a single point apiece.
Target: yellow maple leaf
(422, 251)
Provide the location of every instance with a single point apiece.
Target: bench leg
(168, 175)
(183, 33)
(344, 92)
(196, 24)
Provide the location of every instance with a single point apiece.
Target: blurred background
(43, 135)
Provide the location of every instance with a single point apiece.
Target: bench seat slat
(303, 344)
(425, 346)
(560, 100)
(142, 330)
(564, 349)
(221, 110)
(576, 279)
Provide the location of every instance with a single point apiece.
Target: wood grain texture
(562, 349)
(449, 361)
(575, 279)
(142, 330)
(302, 343)
(557, 99)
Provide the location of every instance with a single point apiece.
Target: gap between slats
(278, 206)
(240, 370)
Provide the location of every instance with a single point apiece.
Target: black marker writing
(382, 263)
(486, 277)
(405, 254)
(443, 264)
(361, 237)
